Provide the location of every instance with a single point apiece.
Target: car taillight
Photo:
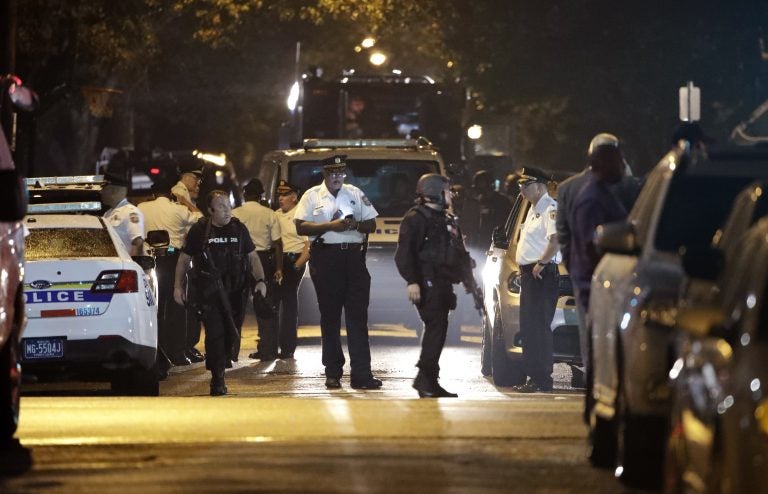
(116, 281)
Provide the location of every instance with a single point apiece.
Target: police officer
(163, 214)
(337, 217)
(295, 257)
(483, 210)
(537, 255)
(264, 229)
(187, 188)
(124, 217)
(221, 254)
(430, 253)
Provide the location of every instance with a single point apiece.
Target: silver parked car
(502, 348)
(635, 291)
(719, 428)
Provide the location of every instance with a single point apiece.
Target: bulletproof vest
(442, 254)
(223, 255)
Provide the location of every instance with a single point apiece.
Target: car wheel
(640, 446)
(506, 371)
(486, 368)
(601, 439)
(10, 383)
(136, 381)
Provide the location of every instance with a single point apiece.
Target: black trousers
(171, 317)
(342, 281)
(538, 301)
(219, 343)
(288, 303)
(267, 327)
(437, 300)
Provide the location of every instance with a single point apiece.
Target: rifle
(470, 284)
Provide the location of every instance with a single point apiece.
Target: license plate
(39, 348)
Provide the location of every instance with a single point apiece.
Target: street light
(475, 132)
(368, 42)
(377, 58)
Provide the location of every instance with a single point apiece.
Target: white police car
(90, 307)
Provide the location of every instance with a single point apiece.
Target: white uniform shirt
(261, 222)
(536, 231)
(127, 221)
(292, 242)
(162, 214)
(180, 190)
(319, 206)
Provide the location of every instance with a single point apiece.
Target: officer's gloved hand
(414, 293)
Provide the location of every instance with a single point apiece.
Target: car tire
(136, 381)
(10, 392)
(601, 440)
(505, 370)
(640, 447)
(486, 352)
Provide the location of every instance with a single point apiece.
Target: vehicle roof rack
(420, 143)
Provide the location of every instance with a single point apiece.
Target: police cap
(336, 163)
(115, 177)
(283, 187)
(192, 168)
(254, 188)
(530, 174)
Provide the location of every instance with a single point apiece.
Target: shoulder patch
(365, 200)
(134, 217)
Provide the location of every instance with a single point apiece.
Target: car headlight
(513, 283)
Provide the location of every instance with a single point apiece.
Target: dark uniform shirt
(595, 205)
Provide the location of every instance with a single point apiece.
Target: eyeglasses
(337, 174)
(526, 184)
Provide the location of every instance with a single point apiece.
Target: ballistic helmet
(430, 188)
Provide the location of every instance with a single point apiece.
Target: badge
(134, 217)
(366, 201)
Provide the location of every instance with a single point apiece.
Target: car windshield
(708, 199)
(389, 184)
(55, 243)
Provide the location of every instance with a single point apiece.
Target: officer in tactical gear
(431, 257)
(221, 253)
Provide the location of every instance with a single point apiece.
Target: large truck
(392, 106)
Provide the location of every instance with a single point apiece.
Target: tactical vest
(230, 262)
(442, 255)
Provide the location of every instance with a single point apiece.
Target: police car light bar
(64, 207)
(362, 143)
(77, 179)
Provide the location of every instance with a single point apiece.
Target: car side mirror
(499, 238)
(618, 238)
(158, 238)
(13, 196)
(703, 262)
(147, 263)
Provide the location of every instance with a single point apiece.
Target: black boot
(218, 387)
(428, 387)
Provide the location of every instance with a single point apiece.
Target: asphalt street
(280, 430)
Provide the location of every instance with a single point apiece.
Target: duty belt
(340, 246)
